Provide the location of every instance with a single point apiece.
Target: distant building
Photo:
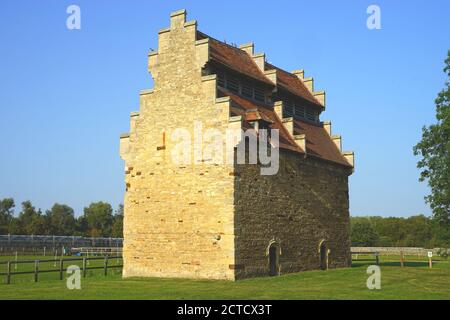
(230, 222)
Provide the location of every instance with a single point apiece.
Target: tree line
(98, 220)
(416, 231)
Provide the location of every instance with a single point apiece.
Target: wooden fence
(420, 252)
(46, 245)
(91, 251)
(85, 261)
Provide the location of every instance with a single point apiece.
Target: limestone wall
(178, 218)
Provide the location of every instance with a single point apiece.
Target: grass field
(414, 281)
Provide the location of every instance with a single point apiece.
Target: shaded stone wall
(304, 204)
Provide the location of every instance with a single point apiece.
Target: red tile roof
(293, 84)
(240, 61)
(318, 142)
(285, 139)
(236, 59)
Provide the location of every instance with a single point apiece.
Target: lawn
(413, 281)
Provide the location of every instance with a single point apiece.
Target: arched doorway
(273, 254)
(273, 261)
(323, 256)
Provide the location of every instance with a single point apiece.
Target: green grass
(414, 281)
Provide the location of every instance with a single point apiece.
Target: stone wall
(202, 220)
(304, 204)
(178, 218)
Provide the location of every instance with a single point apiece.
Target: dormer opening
(241, 86)
(300, 112)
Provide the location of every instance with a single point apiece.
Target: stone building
(204, 220)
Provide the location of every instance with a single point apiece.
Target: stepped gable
(293, 84)
(319, 143)
(234, 59)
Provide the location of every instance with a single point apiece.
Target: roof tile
(318, 142)
(236, 59)
(293, 84)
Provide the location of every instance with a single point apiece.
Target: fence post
(401, 259)
(84, 267)
(8, 272)
(106, 265)
(61, 268)
(36, 271)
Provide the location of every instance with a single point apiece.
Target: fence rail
(36, 271)
(97, 250)
(74, 241)
(396, 250)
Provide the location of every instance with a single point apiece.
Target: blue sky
(66, 95)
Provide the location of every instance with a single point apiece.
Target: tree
(363, 234)
(6, 214)
(31, 221)
(81, 226)
(25, 219)
(440, 235)
(99, 218)
(15, 227)
(120, 210)
(414, 231)
(434, 149)
(39, 224)
(117, 227)
(418, 231)
(61, 220)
